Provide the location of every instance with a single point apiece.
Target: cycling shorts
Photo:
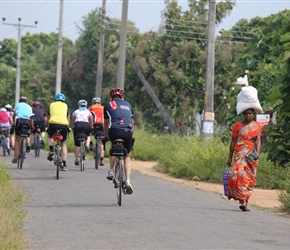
(81, 127)
(98, 130)
(39, 124)
(63, 129)
(124, 134)
(20, 123)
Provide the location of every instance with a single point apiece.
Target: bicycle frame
(21, 154)
(119, 180)
(57, 154)
(37, 142)
(81, 137)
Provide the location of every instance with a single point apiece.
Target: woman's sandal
(244, 207)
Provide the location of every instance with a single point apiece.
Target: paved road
(80, 211)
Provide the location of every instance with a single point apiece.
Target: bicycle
(4, 131)
(119, 151)
(36, 142)
(97, 150)
(57, 136)
(81, 136)
(24, 133)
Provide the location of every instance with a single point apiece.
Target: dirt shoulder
(263, 198)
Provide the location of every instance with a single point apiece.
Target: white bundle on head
(248, 99)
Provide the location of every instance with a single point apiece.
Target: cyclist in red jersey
(97, 110)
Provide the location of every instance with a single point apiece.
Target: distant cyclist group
(112, 121)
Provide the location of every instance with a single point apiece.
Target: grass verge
(11, 213)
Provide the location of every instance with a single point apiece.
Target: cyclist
(22, 117)
(5, 122)
(11, 115)
(82, 119)
(39, 118)
(58, 119)
(119, 124)
(98, 114)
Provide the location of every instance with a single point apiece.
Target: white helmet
(8, 106)
(3, 109)
(82, 103)
(96, 100)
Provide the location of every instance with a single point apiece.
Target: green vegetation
(12, 213)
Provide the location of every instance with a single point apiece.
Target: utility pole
(19, 27)
(59, 50)
(208, 120)
(122, 47)
(101, 52)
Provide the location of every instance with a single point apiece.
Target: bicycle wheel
(58, 160)
(97, 154)
(120, 180)
(36, 144)
(21, 155)
(82, 156)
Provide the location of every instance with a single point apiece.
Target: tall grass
(11, 213)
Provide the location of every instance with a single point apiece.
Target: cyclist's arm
(91, 120)
(133, 125)
(106, 127)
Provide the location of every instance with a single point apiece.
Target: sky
(146, 14)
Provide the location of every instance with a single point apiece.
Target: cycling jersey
(38, 114)
(23, 110)
(58, 112)
(81, 115)
(4, 119)
(98, 110)
(120, 114)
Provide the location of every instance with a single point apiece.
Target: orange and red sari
(243, 175)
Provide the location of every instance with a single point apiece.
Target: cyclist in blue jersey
(22, 116)
(119, 124)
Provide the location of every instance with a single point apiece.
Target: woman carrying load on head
(245, 147)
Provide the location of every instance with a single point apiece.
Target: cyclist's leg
(77, 143)
(64, 132)
(127, 137)
(101, 132)
(50, 130)
(12, 137)
(17, 140)
(27, 122)
(42, 134)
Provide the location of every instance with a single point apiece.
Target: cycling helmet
(8, 106)
(116, 92)
(36, 104)
(82, 103)
(23, 99)
(3, 109)
(59, 97)
(96, 100)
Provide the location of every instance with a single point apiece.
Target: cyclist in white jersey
(82, 121)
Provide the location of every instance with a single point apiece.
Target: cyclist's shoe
(76, 163)
(14, 160)
(50, 156)
(42, 143)
(102, 161)
(27, 149)
(110, 175)
(64, 168)
(129, 189)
